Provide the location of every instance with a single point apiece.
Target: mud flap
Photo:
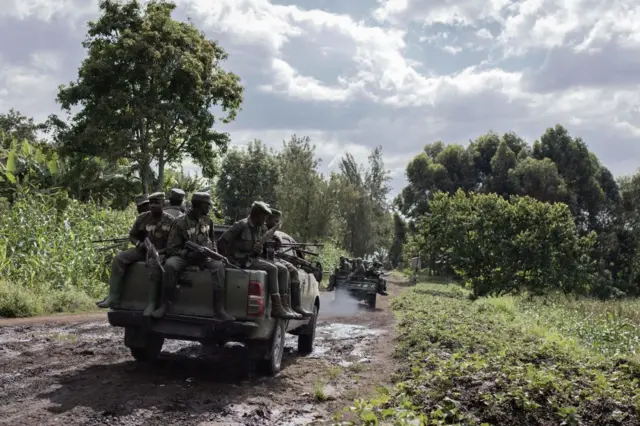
(135, 337)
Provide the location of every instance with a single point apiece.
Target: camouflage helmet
(141, 199)
(156, 196)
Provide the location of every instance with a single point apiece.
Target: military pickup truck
(360, 288)
(191, 316)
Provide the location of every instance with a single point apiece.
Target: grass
(509, 360)
(47, 261)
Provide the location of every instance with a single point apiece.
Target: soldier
(294, 277)
(176, 200)
(195, 226)
(359, 270)
(142, 203)
(344, 267)
(382, 282)
(241, 243)
(154, 224)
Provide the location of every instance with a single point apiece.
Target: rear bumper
(185, 327)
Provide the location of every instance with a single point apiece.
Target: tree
(399, 239)
(302, 191)
(247, 175)
(16, 125)
(145, 91)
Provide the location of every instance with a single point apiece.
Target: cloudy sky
(397, 73)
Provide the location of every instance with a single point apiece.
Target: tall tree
(146, 89)
(247, 175)
(301, 192)
(16, 125)
(399, 239)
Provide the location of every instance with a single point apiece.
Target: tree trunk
(161, 163)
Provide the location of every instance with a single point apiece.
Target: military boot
(115, 292)
(102, 303)
(165, 303)
(287, 307)
(218, 307)
(296, 300)
(277, 310)
(153, 300)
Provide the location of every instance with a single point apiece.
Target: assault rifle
(296, 261)
(152, 252)
(212, 254)
(112, 240)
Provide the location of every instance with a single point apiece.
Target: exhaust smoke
(338, 303)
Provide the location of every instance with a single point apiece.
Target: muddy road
(77, 371)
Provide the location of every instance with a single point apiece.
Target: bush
(46, 254)
(497, 246)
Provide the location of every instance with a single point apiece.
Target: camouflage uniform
(343, 267)
(382, 282)
(156, 228)
(294, 278)
(200, 230)
(359, 270)
(241, 239)
(176, 199)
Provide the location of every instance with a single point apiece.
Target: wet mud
(75, 371)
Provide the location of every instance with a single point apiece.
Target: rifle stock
(212, 254)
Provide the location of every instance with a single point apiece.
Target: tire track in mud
(80, 373)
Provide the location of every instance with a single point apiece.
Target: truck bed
(194, 297)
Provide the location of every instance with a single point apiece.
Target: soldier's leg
(173, 266)
(218, 275)
(155, 277)
(296, 291)
(119, 266)
(277, 310)
(283, 287)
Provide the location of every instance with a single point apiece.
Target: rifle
(296, 261)
(302, 245)
(112, 240)
(212, 254)
(153, 252)
(109, 247)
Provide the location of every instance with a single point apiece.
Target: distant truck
(191, 316)
(360, 288)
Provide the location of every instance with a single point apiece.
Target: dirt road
(76, 371)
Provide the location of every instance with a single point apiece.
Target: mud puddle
(82, 374)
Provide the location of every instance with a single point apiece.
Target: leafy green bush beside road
(492, 362)
(47, 261)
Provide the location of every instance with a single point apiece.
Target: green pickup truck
(191, 316)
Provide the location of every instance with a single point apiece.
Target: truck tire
(307, 337)
(148, 352)
(371, 301)
(272, 362)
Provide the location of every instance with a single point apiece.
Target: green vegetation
(47, 261)
(600, 253)
(510, 360)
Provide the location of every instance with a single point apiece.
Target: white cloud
(351, 84)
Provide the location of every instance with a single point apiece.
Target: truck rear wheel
(371, 301)
(144, 347)
(271, 364)
(306, 338)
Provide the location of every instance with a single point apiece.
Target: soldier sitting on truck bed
(195, 226)
(344, 267)
(376, 272)
(142, 205)
(241, 244)
(154, 224)
(359, 270)
(294, 278)
(176, 203)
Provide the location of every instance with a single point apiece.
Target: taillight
(255, 303)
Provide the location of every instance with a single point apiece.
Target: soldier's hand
(140, 246)
(257, 248)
